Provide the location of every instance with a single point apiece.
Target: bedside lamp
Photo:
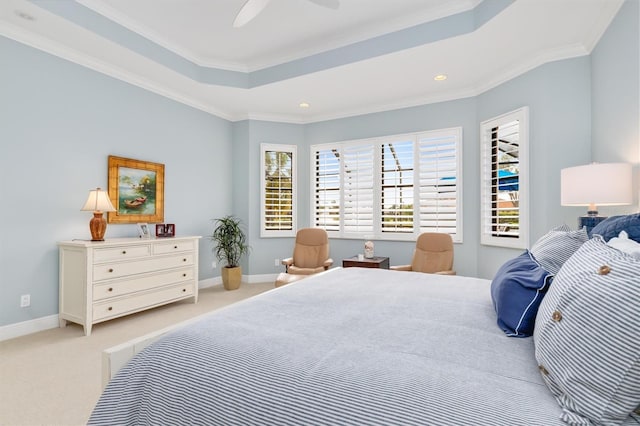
(604, 184)
(98, 202)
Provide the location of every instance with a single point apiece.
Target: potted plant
(230, 245)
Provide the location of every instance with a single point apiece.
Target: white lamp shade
(98, 201)
(597, 184)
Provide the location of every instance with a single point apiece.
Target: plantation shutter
(278, 190)
(397, 186)
(438, 159)
(358, 188)
(504, 184)
(327, 189)
(502, 180)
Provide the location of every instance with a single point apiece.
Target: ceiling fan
(252, 8)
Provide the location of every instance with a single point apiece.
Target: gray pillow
(556, 246)
(587, 335)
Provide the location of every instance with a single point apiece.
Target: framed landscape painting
(136, 189)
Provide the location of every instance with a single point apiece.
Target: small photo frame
(143, 230)
(164, 230)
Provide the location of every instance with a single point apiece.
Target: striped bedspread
(351, 346)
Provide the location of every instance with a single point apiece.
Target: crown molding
(136, 27)
(454, 7)
(604, 20)
(26, 37)
(44, 44)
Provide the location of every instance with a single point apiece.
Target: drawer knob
(184, 290)
(175, 247)
(184, 260)
(109, 308)
(124, 252)
(110, 289)
(184, 275)
(110, 269)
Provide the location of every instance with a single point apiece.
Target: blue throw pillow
(611, 227)
(516, 291)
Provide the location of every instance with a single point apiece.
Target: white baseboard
(45, 323)
(262, 278)
(209, 282)
(27, 327)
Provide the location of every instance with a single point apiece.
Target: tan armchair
(433, 254)
(310, 253)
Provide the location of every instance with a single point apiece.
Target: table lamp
(597, 184)
(98, 202)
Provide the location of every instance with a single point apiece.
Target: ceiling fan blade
(331, 4)
(249, 10)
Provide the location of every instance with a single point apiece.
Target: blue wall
(558, 96)
(615, 104)
(60, 122)
(246, 183)
(459, 113)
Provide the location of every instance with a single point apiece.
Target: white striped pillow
(556, 246)
(587, 335)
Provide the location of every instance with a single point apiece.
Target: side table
(373, 262)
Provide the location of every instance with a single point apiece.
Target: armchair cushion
(433, 253)
(293, 269)
(311, 249)
(310, 253)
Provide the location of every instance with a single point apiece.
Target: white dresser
(101, 280)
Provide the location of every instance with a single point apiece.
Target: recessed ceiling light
(304, 105)
(440, 77)
(24, 15)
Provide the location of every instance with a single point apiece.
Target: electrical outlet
(214, 265)
(276, 262)
(25, 300)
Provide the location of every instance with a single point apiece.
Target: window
(505, 180)
(397, 186)
(278, 206)
(389, 188)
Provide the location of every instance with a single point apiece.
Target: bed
(351, 346)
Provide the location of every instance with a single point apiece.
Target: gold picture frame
(136, 190)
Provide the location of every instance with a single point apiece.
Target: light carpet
(54, 377)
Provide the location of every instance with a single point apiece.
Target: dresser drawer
(121, 253)
(121, 306)
(132, 285)
(122, 269)
(173, 247)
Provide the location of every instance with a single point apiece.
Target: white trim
(28, 38)
(209, 282)
(20, 35)
(260, 278)
(28, 327)
(293, 149)
(24, 328)
(376, 233)
(522, 241)
(116, 16)
(451, 8)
